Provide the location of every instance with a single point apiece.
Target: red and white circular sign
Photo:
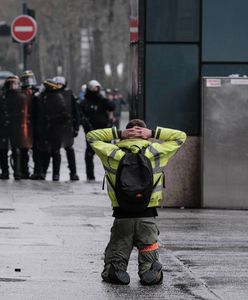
(23, 28)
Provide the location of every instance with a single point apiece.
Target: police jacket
(94, 111)
(74, 109)
(158, 153)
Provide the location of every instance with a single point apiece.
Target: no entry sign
(23, 28)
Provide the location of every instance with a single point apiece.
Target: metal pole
(133, 67)
(25, 56)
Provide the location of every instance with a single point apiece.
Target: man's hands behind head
(137, 133)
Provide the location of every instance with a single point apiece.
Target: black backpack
(134, 181)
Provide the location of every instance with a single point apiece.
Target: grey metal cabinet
(225, 142)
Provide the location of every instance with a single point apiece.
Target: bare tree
(58, 42)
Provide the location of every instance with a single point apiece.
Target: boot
(37, 176)
(4, 164)
(118, 276)
(38, 158)
(152, 276)
(70, 154)
(55, 177)
(4, 176)
(74, 177)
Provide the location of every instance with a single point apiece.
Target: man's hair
(136, 122)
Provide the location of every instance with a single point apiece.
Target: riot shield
(54, 120)
(68, 125)
(4, 122)
(19, 110)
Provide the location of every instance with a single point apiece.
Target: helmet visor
(28, 81)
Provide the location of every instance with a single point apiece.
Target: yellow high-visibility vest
(158, 152)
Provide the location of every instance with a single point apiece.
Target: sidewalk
(53, 235)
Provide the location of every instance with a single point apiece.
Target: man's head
(136, 129)
(136, 122)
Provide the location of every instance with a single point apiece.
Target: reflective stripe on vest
(156, 155)
(109, 169)
(158, 188)
(158, 170)
(157, 133)
(179, 142)
(114, 132)
(112, 154)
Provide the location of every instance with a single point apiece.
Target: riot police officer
(29, 87)
(15, 126)
(95, 109)
(48, 117)
(74, 115)
(54, 125)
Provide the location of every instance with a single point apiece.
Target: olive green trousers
(127, 233)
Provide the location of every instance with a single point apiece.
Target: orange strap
(149, 248)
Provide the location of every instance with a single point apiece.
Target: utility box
(225, 142)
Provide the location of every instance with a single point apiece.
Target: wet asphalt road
(53, 235)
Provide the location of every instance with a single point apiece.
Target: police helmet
(92, 84)
(10, 80)
(50, 84)
(28, 79)
(60, 80)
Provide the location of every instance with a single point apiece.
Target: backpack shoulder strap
(103, 181)
(126, 150)
(143, 150)
(109, 181)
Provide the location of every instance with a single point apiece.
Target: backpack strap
(156, 183)
(163, 179)
(142, 150)
(109, 181)
(138, 147)
(103, 181)
(105, 177)
(126, 150)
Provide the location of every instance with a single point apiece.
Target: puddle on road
(2, 210)
(12, 280)
(9, 227)
(79, 210)
(185, 289)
